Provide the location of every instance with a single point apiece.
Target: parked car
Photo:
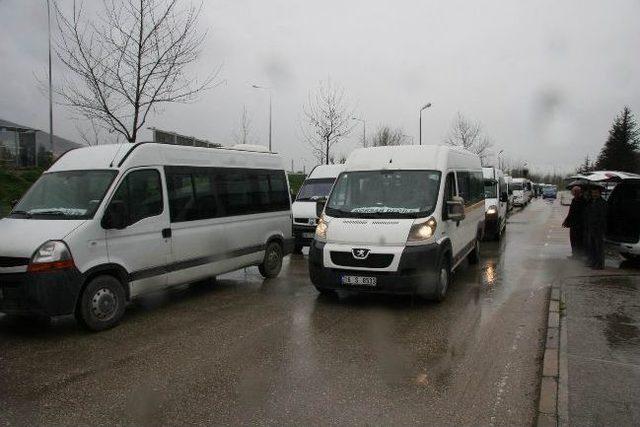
(550, 192)
(399, 220)
(317, 185)
(509, 182)
(109, 223)
(496, 202)
(522, 191)
(623, 220)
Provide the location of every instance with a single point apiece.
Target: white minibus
(316, 186)
(109, 223)
(399, 220)
(522, 191)
(496, 202)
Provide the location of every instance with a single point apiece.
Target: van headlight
(51, 255)
(321, 229)
(423, 231)
(492, 210)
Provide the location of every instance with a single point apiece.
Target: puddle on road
(620, 330)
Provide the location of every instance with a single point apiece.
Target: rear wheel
(272, 263)
(474, 255)
(101, 304)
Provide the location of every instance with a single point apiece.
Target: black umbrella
(579, 183)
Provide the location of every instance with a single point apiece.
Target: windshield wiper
(50, 212)
(25, 213)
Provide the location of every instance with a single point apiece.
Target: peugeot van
(495, 202)
(317, 186)
(399, 220)
(109, 223)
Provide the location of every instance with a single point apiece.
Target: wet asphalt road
(244, 350)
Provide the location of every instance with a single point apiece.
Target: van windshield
(65, 195)
(384, 194)
(315, 188)
(517, 186)
(490, 189)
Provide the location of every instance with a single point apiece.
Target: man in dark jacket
(575, 222)
(595, 225)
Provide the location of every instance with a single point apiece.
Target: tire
(101, 304)
(443, 278)
(630, 257)
(272, 263)
(474, 255)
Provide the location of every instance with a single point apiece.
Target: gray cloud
(544, 77)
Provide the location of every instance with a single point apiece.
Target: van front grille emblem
(360, 253)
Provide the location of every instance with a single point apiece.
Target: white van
(522, 191)
(399, 220)
(316, 186)
(495, 202)
(509, 183)
(108, 223)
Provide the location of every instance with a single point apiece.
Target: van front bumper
(417, 272)
(301, 234)
(44, 293)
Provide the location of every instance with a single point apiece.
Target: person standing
(575, 222)
(596, 222)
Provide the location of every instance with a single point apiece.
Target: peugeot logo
(360, 253)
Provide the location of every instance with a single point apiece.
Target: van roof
(326, 171)
(520, 180)
(419, 157)
(124, 156)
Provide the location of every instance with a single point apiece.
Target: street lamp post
(50, 90)
(500, 160)
(270, 109)
(364, 130)
(427, 105)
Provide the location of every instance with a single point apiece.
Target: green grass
(13, 184)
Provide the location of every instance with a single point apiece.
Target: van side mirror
(116, 216)
(455, 209)
(504, 197)
(13, 203)
(320, 203)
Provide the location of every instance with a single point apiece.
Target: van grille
(346, 259)
(6, 261)
(355, 221)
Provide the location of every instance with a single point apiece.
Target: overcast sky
(545, 78)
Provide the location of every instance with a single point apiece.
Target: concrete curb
(549, 404)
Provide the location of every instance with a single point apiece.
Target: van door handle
(166, 233)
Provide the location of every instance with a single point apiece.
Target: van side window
(464, 186)
(449, 187)
(471, 187)
(141, 193)
(201, 193)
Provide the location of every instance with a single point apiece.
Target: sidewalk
(601, 318)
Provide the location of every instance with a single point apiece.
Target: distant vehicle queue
(107, 224)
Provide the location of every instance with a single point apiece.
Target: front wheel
(474, 255)
(272, 263)
(442, 280)
(101, 304)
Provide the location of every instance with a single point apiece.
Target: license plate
(359, 281)
(308, 235)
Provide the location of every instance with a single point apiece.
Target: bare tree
(469, 135)
(93, 134)
(244, 133)
(326, 119)
(128, 61)
(385, 136)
